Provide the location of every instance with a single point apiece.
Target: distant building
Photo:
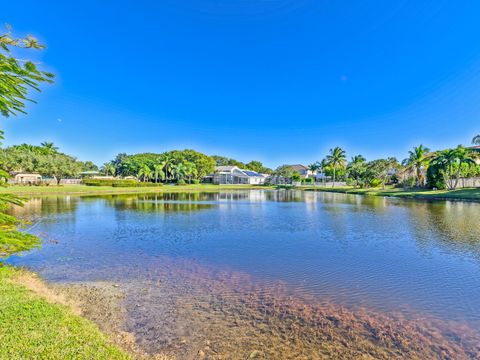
(225, 175)
(304, 171)
(26, 178)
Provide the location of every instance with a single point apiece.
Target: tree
(476, 140)
(109, 169)
(90, 166)
(158, 172)
(418, 160)
(59, 166)
(450, 162)
(17, 76)
(335, 159)
(145, 173)
(356, 170)
(49, 147)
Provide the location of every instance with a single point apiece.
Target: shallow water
(228, 271)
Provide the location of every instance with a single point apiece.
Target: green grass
(32, 328)
(86, 190)
(470, 194)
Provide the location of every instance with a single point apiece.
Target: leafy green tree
(417, 161)
(59, 166)
(337, 158)
(450, 162)
(356, 170)
(145, 173)
(89, 166)
(18, 76)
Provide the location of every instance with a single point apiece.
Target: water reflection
(419, 259)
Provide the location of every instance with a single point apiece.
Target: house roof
(225, 168)
(298, 167)
(251, 173)
(475, 148)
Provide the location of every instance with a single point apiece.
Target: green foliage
(17, 76)
(476, 140)
(181, 182)
(117, 183)
(13, 241)
(418, 161)
(451, 162)
(173, 165)
(44, 160)
(435, 179)
(258, 167)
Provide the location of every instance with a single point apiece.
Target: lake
(272, 274)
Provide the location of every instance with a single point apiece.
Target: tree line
(441, 169)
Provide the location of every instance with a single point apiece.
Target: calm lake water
(201, 254)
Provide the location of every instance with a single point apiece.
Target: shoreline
(466, 194)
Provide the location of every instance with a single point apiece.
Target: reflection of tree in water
(454, 226)
(42, 206)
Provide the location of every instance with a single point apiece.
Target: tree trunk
(334, 173)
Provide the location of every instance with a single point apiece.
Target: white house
(304, 171)
(234, 175)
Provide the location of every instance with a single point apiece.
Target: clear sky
(280, 81)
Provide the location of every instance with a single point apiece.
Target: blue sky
(280, 81)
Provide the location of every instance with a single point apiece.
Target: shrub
(181, 182)
(118, 183)
(195, 181)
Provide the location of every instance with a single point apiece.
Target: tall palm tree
(335, 159)
(476, 140)
(158, 172)
(358, 159)
(167, 164)
(451, 161)
(418, 160)
(190, 170)
(145, 173)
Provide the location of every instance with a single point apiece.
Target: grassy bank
(469, 194)
(34, 326)
(87, 190)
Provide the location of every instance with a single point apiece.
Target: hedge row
(118, 183)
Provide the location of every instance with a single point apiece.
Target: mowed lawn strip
(33, 328)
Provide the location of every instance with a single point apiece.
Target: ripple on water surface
(291, 273)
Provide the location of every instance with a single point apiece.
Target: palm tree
(336, 158)
(49, 147)
(167, 164)
(158, 172)
(145, 173)
(451, 161)
(109, 169)
(418, 160)
(358, 159)
(476, 140)
(190, 170)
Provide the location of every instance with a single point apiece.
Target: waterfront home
(224, 175)
(26, 178)
(303, 170)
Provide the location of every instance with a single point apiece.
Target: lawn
(470, 194)
(85, 190)
(34, 328)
